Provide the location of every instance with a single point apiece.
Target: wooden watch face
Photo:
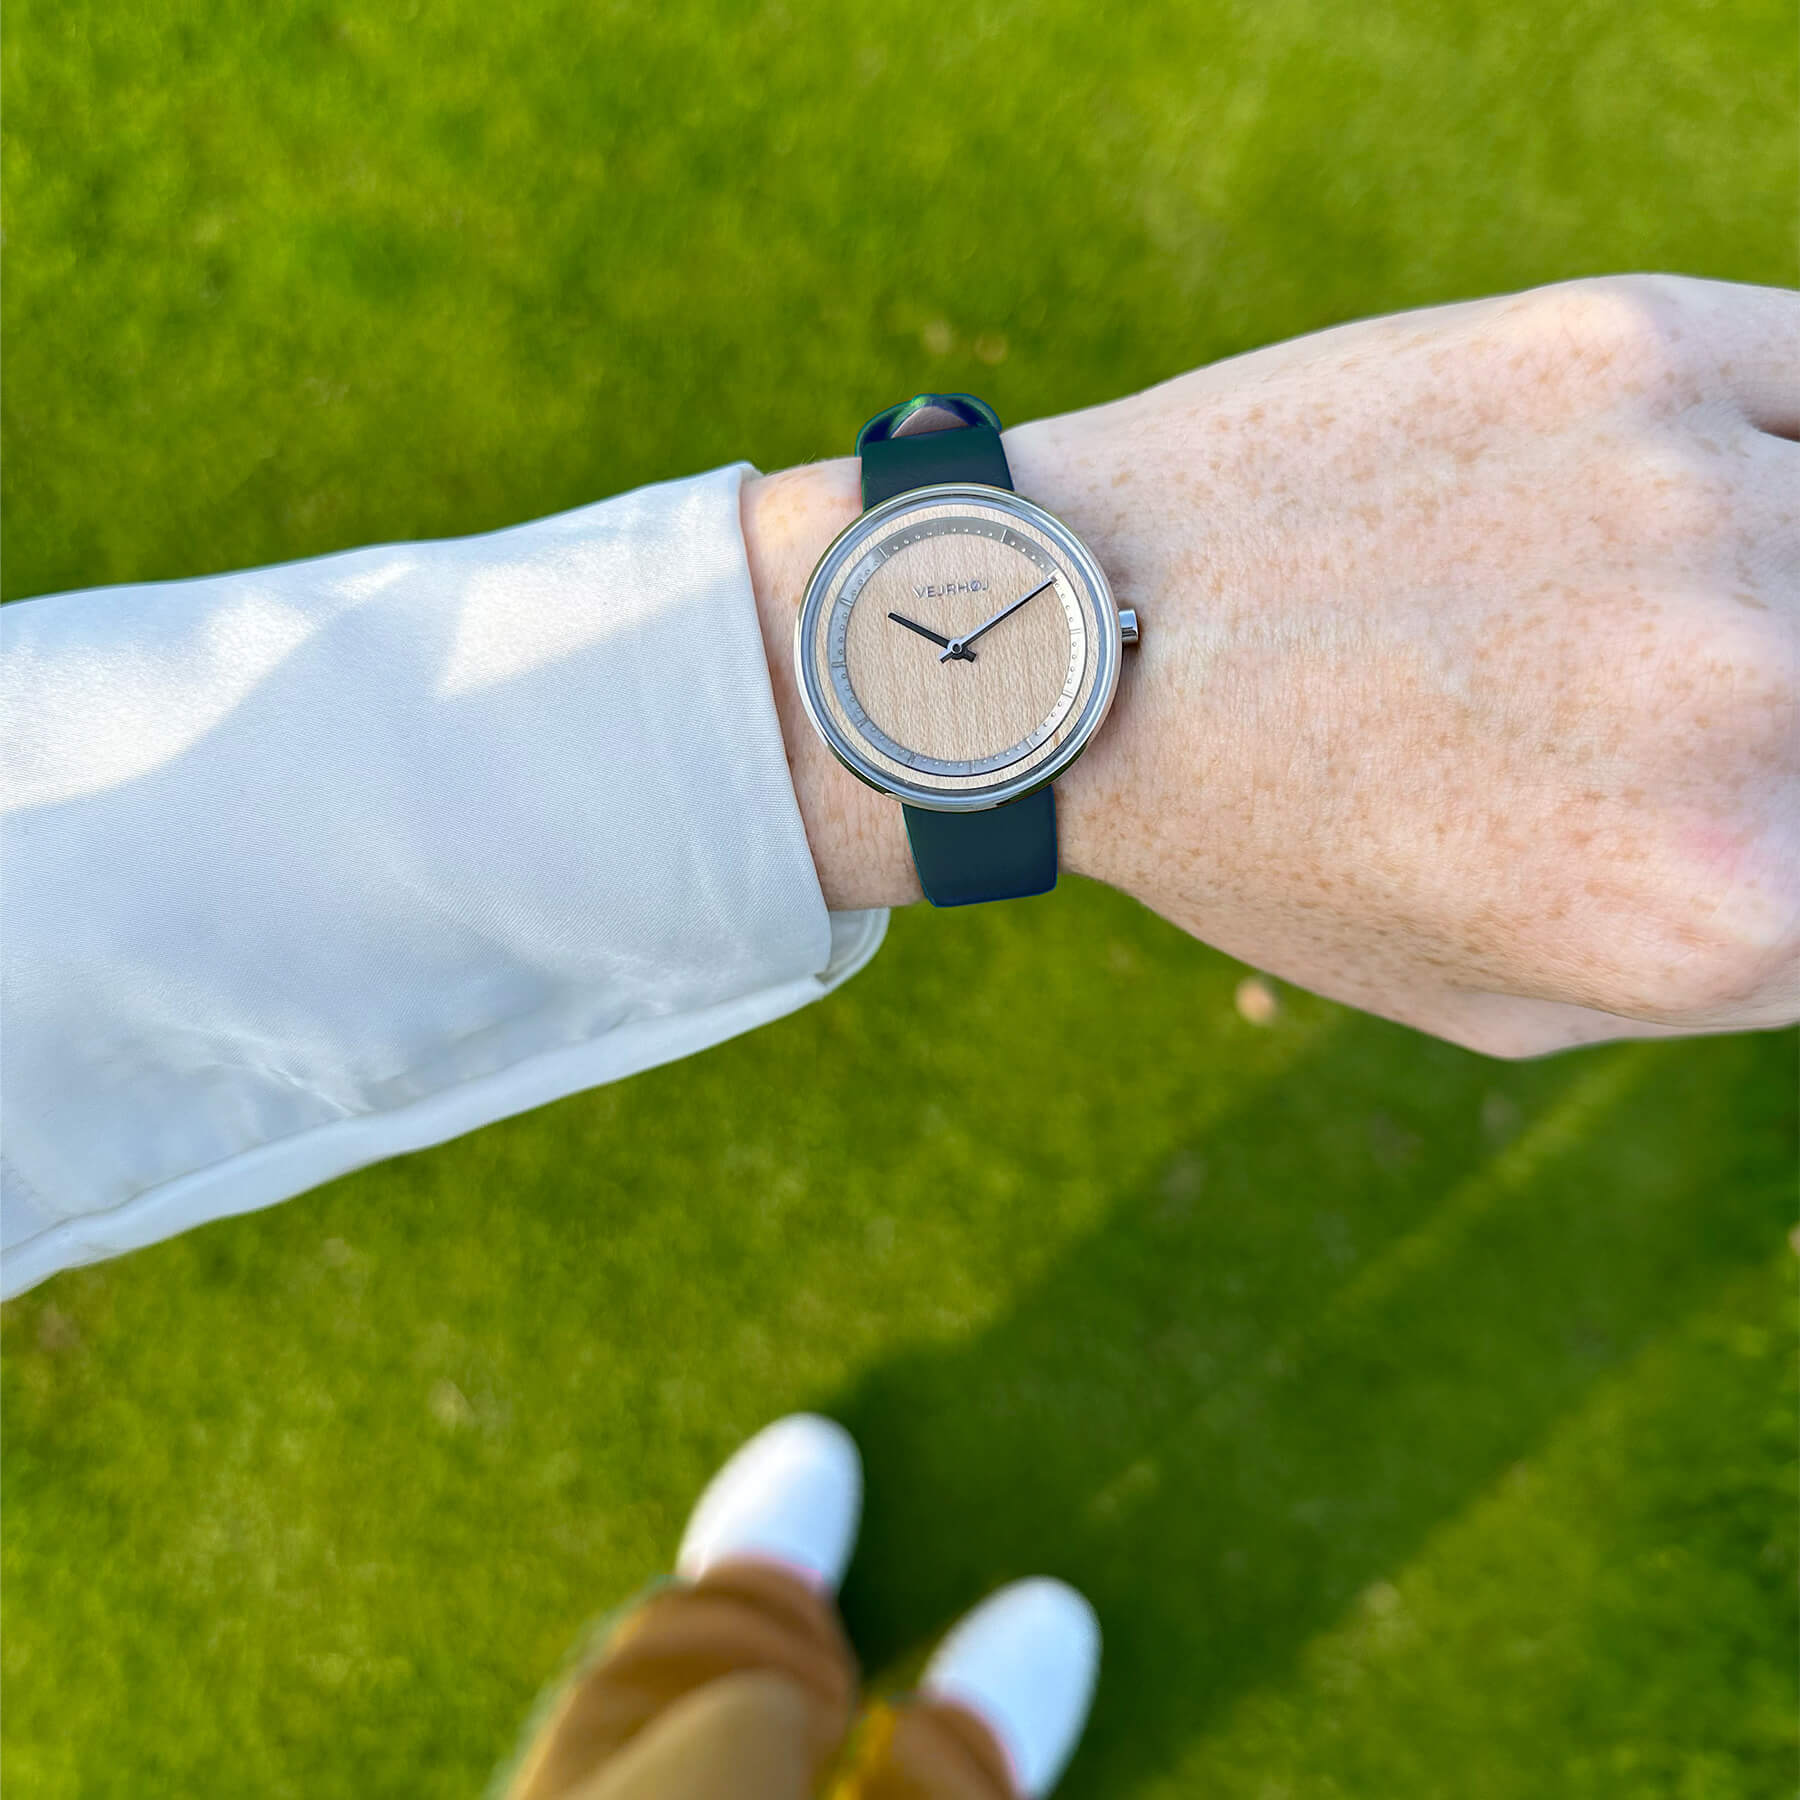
(957, 645)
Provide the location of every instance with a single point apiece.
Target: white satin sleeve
(310, 865)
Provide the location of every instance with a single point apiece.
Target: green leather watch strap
(971, 453)
(1002, 854)
(928, 439)
(1005, 852)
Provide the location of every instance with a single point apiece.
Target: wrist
(857, 836)
(1075, 468)
(1078, 468)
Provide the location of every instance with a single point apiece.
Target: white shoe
(791, 1495)
(1024, 1662)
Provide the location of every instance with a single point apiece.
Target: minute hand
(958, 645)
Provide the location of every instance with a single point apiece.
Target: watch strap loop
(928, 439)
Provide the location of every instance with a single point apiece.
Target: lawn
(1420, 1425)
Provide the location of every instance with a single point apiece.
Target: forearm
(311, 865)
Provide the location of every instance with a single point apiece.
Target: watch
(957, 649)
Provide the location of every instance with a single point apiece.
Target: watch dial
(952, 646)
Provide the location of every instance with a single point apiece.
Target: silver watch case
(1106, 638)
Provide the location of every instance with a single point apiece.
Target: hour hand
(925, 631)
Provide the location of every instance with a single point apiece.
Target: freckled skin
(1470, 685)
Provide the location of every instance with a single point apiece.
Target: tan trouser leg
(738, 1686)
(924, 1750)
(742, 1737)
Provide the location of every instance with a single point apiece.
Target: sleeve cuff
(312, 865)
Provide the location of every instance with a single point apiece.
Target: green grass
(1421, 1426)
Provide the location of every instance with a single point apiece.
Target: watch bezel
(1108, 648)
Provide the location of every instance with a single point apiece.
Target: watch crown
(1128, 625)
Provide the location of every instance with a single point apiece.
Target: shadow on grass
(1287, 1358)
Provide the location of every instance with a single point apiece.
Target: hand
(937, 637)
(1470, 693)
(960, 647)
